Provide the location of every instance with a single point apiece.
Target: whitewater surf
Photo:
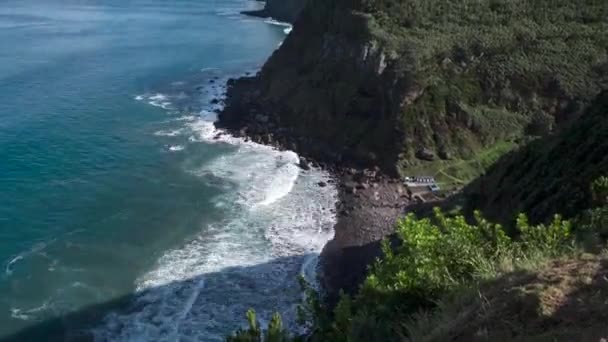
(277, 221)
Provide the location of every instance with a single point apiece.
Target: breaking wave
(275, 221)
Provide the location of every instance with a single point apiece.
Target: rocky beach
(370, 199)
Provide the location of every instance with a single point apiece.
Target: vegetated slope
(550, 175)
(449, 280)
(564, 300)
(404, 83)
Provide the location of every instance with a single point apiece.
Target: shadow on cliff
(234, 288)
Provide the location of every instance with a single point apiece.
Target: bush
(599, 189)
(436, 256)
(274, 333)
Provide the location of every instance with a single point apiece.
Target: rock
(304, 164)
(261, 118)
(322, 184)
(359, 177)
(243, 131)
(425, 154)
(362, 186)
(369, 173)
(351, 188)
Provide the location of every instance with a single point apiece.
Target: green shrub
(436, 256)
(599, 189)
(274, 333)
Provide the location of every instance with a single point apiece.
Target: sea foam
(276, 220)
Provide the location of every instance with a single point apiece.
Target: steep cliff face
(399, 85)
(328, 88)
(281, 10)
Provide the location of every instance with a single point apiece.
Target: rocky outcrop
(329, 88)
(281, 10)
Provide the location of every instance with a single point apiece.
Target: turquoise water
(122, 215)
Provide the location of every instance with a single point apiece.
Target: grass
(560, 299)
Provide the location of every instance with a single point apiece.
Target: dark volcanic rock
(366, 217)
(282, 10)
(304, 164)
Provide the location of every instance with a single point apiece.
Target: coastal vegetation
(491, 71)
(505, 98)
(449, 279)
(426, 85)
(548, 175)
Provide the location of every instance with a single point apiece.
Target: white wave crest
(276, 222)
(176, 148)
(169, 133)
(157, 100)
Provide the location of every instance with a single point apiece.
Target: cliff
(281, 10)
(415, 86)
(418, 87)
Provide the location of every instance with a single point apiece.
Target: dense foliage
(422, 86)
(509, 68)
(470, 76)
(549, 175)
(437, 256)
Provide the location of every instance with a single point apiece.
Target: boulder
(362, 186)
(304, 164)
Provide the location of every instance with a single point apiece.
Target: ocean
(124, 215)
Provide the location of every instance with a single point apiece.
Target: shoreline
(369, 200)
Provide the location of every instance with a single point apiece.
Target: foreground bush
(435, 256)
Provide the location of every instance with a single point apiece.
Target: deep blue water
(112, 184)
